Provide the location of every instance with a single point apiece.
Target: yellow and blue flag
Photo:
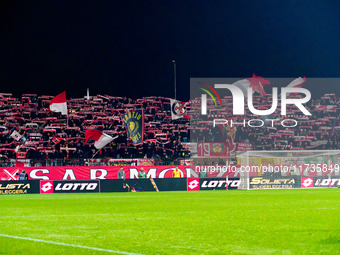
(134, 123)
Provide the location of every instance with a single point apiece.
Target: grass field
(203, 222)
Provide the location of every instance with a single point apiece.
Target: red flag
(257, 83)
(56, 140)
(59, 104)
(98, 136)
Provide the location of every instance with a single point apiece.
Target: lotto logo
(46, 187)
(307, 182)
(193, 184)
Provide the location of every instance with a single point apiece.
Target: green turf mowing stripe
(70, 245)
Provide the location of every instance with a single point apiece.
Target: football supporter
(176, 173)
(142, 174)
(121, 173)
(48, 139)
(23, 176)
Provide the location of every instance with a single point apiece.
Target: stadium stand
(320, 131)
(28, 130)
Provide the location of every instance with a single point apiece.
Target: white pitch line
(70, 245)
(54, 215)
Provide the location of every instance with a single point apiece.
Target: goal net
(292, 163)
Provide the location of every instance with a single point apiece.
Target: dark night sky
(126, 48)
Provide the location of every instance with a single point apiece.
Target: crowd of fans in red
(319, 131)
(46, 135)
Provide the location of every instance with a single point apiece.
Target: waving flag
(178, 109)
(15, 135)
(134, 123)
(57, 140)
(297, 83)
(59, 104)
(99, 137)
(228, 135)
(256, 83)
(325, 107)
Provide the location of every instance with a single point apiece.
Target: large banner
(75, 186)
(139, 185)
(131, 172)
(93, 173)
(320, 182)
(192, 147)
(160, 184)
(216, 149)
(128, 185)
(242, 147)
(132, 162)
(274, 182)
(211, 150)
(194, 184)
(134, 123)
(19, 187)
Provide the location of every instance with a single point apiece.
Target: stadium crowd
(320, 131)
(42, 134)
(28, 130)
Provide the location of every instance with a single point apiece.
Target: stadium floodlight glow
(238, 100)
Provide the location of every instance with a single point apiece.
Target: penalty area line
(69, 245)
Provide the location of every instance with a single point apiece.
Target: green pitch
(210, 222)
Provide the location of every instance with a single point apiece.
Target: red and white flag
(99, 137)
(297, 83)
(325, 107)
(56, 140)
(59, 104)
(15, 135)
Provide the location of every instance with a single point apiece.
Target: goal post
(292, 163)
